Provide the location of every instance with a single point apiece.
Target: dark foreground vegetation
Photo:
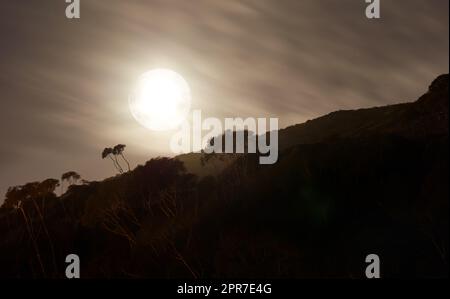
(346, 185)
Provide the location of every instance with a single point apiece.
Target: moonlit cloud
(64, 83)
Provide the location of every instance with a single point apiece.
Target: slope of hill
(428, 115)
(346, 185)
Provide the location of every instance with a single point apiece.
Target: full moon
(161, 100)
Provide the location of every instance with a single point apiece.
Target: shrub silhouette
(30, 199)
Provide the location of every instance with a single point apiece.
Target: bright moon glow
(161, 100)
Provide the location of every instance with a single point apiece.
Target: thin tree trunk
(115, 164)
(48, 235)
(36, 249)
(128, 164)
(118, 164)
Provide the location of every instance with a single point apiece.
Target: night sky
(64, 83)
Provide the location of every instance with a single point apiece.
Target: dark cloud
(64, 83)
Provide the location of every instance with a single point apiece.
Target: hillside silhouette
(347, 184)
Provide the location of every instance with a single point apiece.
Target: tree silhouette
(118, 150)
(75, 178)
(71, 177)
(19, 196)
(108, 152)
(46, 187)
(49, 185)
